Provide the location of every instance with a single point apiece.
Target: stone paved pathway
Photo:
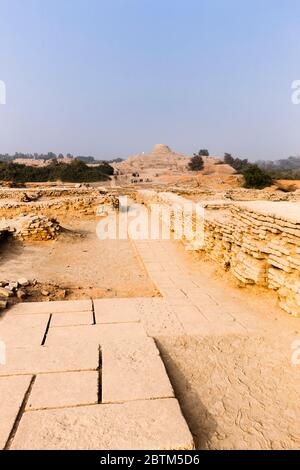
(84, 375)
(88, 374)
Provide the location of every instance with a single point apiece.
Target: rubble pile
(111, 200)
(10, 289)
(23, 289)
(31, 227)
(36, 228)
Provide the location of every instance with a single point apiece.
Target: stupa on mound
(163, 164)
(160, 158)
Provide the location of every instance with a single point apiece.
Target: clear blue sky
(113, 77)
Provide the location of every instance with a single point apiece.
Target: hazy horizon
(114, 78)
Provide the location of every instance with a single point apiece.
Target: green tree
(196, 163)
(256, 178)
(203, 153)
(237, 163)
(228, 159)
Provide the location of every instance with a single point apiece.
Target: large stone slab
(158, 319)
(116, 311)
(133, 370)
(192, 320)
(199, 294)
(173, 293)
(63, 389)
(145, 424)
(43, 359)
(154, 267)
(217, 314)
(72, 319)
(23, 331)
(12, 393)
(94, 334)
(124, 310)
(51, 307)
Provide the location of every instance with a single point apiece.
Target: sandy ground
(79, 262)
(292, 184)
(236, 392)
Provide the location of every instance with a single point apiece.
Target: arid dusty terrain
(78, 262)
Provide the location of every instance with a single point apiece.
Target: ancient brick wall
(258, 242)
(53, 202)
(31, 227)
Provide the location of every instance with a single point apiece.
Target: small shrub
(203, 153)
(256, 178)
(196, 163)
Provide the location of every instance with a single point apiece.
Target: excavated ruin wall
(75, 206)
(243, 194)
(19, 193)
(30, 227)
(237, 194)
(68, 202)
(256, 246)
(258, 249)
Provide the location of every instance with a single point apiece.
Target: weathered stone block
(144, 424)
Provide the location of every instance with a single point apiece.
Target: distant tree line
(75, 172)
(290, 163)
(284, 168)
(285, 174)
(53, 156)
(33, 156)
